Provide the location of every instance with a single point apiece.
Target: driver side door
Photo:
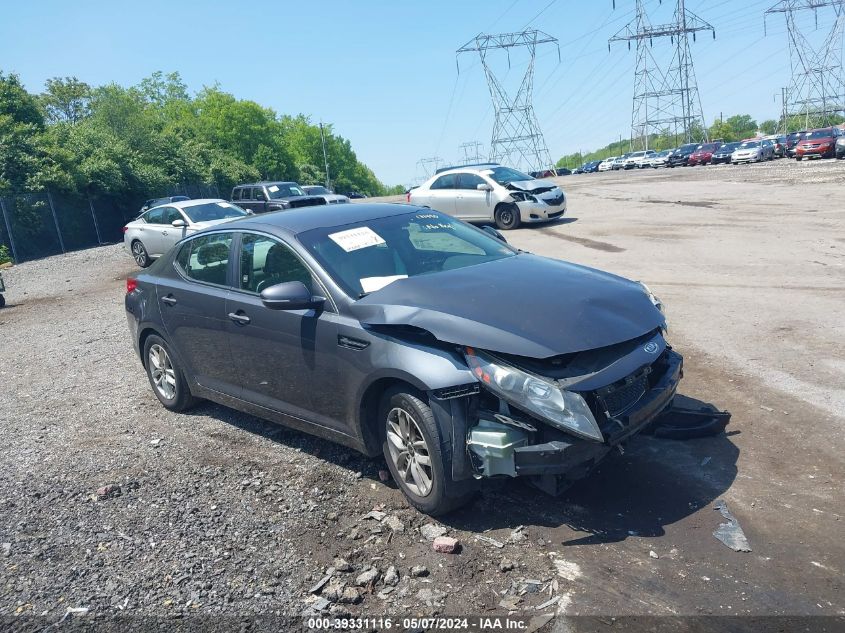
(284, 360)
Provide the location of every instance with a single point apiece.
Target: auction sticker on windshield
(356, 239)
(273, 188)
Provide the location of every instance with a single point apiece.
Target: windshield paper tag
(371, 284)
(225, 205)
(356, 239)
(273, 188)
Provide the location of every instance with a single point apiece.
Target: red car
(703, 154)
(819, 143)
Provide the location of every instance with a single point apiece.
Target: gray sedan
(403, 332)
(154, 232)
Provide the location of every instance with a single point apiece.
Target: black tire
(2, 301)
(140, 254)
(182, 399)
(444, 494)
(507, 217)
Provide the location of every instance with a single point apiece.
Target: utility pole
(664, 99)
(516, 138)
(817, 88)
(429, 166)
(325, 157)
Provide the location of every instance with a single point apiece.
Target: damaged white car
(491, 193)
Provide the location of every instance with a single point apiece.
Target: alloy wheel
(409, 452)
(162, 373)
(138, 253)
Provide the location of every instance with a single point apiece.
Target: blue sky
(384, 72)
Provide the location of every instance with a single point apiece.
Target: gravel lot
(215, 512)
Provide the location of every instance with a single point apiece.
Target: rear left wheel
(140, 255)
(165, 375)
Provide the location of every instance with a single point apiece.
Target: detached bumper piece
(687, 424)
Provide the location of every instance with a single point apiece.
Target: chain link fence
(36, 225)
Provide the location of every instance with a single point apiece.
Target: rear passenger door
(193, 308)
(152, 238)
(470, 202)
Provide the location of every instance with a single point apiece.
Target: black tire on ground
(443, 495)
(181, 399)
(798, 158)
(140, 255)
(507, 216)
(2, 301)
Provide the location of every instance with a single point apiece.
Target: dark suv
(262, 197)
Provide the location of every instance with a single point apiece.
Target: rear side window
(155, 216)
(444, 182)
(236, 194)
(206, 258)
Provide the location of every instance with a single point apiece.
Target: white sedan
(155, 231)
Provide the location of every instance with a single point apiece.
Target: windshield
(820, 134)
(728, 147)
(316, 190)
(505, 175)
(210, 211)
(284, 190)
(749, 145)
(366, 256)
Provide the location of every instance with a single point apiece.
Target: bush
(5, 257)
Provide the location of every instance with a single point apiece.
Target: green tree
(66, 100)
(769, 127)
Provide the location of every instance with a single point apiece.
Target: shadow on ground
(655, 483)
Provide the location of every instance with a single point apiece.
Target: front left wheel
(165, 375)
(507, 216)
(419, 459)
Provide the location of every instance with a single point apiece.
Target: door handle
(240, 319)
(164, 232)
(169, 300)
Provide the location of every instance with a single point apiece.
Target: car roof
(307, 218)
(264, 183)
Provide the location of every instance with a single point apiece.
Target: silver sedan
(155, 231)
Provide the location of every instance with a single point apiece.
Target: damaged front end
(537, 201)
(554, 420)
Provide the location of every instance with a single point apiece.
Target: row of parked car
(164, 221)
(819, 143)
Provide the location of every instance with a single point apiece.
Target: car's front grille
(554, 202)
(556, 214)
(460, 391)
(622, 395)
(306, 202)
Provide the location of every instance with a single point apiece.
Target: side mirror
(290, 295)
(495, 233)
(179, 224)
(484, 187)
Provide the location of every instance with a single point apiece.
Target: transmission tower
(428, 166)
(665, 100)
(472, 152)
(817, 89)
(516, 139)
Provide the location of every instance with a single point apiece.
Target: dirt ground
(221, 513)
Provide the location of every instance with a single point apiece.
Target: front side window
(236, 194)
(364, 257)
(206, 258)
(171, 214)
(258, 194)
(470, 181)
(266, 262)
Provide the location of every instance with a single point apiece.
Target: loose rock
(431, 531)
(391, 576)
(419, 571)
(445, 545)
(367, 577)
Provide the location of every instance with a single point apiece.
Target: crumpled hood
(524, 305)
(530, 185)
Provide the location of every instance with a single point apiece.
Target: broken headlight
(565, 410)
(522, 196)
